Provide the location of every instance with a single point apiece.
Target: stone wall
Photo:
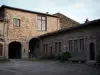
(66, 22)
(26, 32)
(28, 24)
(88, 34)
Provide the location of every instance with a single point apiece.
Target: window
(37, 45)
(50, 50)
(16, 22)
(1, 46)
(45, 48)
(76, 45)
(81, 44)
(41, 25)
(57, 46)
(70, 45)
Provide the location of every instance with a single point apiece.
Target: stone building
(19, 31)
(65, 22)
(82, 41)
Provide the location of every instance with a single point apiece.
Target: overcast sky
(78, 10)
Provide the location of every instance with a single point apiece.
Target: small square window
(16, 22)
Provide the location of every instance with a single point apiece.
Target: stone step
(91, 62)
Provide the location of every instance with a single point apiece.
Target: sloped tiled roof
(24, 10)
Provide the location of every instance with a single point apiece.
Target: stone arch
(34, 46)
(14, 50)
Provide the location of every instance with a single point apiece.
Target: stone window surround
(78, 43)
(58, 46)
(45, 47)
(19, 22)
(41, 22)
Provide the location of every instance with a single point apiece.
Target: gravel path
(22, 67)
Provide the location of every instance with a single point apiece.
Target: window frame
(41, 20)
(76, 45)
(81, 44)
(70, 45)
(16, 22)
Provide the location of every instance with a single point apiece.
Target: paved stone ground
(22, 67)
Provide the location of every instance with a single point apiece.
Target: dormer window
(16, 22)
(41, 23)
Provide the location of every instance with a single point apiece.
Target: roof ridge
(66, 17)
(21, 9)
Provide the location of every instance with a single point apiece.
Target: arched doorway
(34, 46)
(14, 50)
(1, 49)
(92, 51)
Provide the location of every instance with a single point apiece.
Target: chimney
(87, 21)
(47, 12)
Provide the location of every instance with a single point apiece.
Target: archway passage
(92, 51)
(14, 50)
(34, 47)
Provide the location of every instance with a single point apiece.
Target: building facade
(19, 27)
(83, 41)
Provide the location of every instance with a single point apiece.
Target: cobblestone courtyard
(22, 67)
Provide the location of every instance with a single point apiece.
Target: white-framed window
(41, 23)
(16, 22)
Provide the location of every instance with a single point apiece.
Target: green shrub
(51, 57)
(65, 56)
(98, 59)
(58, 57)
(62, 57)
(46, 56)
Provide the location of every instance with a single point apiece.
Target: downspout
(5, 35)
(4, 32)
